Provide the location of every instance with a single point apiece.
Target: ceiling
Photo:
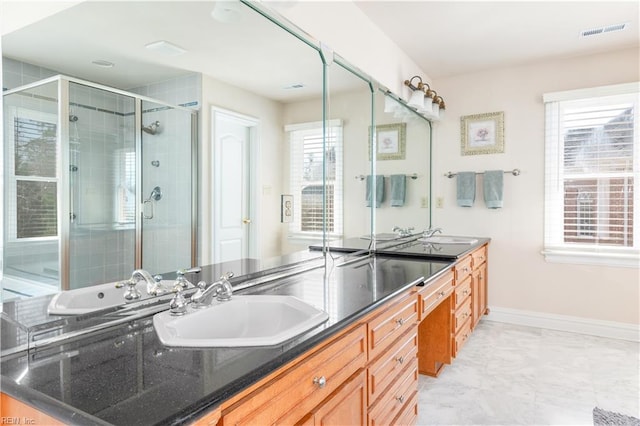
(443, 37)
(448, 38)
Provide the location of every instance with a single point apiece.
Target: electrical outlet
(440, 202)
(424, 202)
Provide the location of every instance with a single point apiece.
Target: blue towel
(466, 187)
(493, 188)
(379, 184)
(398, 184)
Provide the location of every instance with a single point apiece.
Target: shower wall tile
(16, 73)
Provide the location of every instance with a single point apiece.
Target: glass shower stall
(97, 182)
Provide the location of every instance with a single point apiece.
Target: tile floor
(514, 375)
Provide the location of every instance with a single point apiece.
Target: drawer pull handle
(465, 269)
(441, 294)
(465, 292)
(400, 399)
(400, 321)
(320, 381)
(400, 359)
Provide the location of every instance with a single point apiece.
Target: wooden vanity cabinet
(470, 296)
(434, 330)
(393, 364)
(479, 285)
(367, 375)
(289, 397)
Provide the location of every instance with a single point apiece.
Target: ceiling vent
(603, 30)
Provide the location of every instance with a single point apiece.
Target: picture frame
(391, 141)
(482, 133)
(286, 208)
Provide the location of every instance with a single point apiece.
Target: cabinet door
(479, 293)
(347, 406)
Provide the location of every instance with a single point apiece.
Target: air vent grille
(603, 30)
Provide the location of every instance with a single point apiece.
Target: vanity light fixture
(424, 99)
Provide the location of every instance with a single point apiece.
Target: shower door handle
(144, 209)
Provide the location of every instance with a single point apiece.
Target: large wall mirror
(262, 140)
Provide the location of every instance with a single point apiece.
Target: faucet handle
(178, 304)
(131, 293)
(202, 285)
(227, 276)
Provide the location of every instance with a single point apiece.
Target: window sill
(302, 238)
(630, 259)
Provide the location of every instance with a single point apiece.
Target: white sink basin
(93, 298)
(446, 239)
(260, 320)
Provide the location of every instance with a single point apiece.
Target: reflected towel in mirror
(379, 188)
(397, 185)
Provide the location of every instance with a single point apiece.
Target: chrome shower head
(152, 128)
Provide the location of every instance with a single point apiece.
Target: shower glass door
(102, 186)
(167, 188)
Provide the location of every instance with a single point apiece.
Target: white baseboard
(610, 329)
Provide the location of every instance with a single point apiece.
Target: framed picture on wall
(391, 141)
(482, 133)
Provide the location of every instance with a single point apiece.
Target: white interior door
(232, 181)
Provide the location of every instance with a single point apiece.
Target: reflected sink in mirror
(88, 299)
(260, 320)
(447, 239)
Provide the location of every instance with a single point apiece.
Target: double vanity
(368, 324)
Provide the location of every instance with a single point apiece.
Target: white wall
(343, 27)
(519, 276)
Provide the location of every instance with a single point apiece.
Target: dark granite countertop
(407, 246)
(123, 375)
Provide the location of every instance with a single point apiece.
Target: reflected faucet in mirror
(403, 232)
(132, 293)
(428, 233)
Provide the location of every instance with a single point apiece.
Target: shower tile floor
(515, 375)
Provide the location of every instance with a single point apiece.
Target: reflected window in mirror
(308, 162)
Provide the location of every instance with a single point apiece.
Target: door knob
(246, 221)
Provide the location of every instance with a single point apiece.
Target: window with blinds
(592, 150)
(314, 155)
(35, 178)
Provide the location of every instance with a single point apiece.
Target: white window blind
(313, 154)
(591, 169)
(33, 187)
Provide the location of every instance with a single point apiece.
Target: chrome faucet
(181, 282)
(154, 288)
(402, 232)
(431, 232)
(220, 289)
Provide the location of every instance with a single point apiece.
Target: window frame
(295, 176)
(555, 250)
(16, 112)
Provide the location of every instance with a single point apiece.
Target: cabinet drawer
(386, 368)
(479, 256)
(462, 292)
(300, 389)
(462, 314)
(394, 399)
(385, 328)
(461, 336)
(463, 268)
(434, 293)
(409, 415)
